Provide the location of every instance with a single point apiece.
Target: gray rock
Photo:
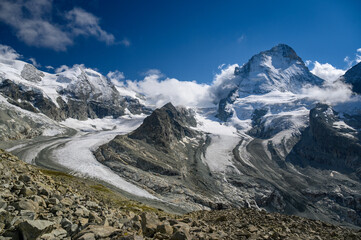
(3, 204)
(28, 214)
(39, 200)
(149, 223)
(181, 234)
(27, 204)
(98, 232)
(25, 178)
(26, 191)
(32, 229)
(3, 218)
(66, 224)
(53, 201)
(31, 74)
(165, 228)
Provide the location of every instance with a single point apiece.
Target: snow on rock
(31, 74)
(106, 124)
(278, 69)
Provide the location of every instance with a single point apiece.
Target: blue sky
(186, 40)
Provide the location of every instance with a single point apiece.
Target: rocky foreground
(42, 204)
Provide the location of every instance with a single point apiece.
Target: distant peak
(285, 50)
(168, 106)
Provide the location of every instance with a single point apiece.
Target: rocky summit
(41, 204)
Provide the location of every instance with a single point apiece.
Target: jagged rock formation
(16, 123)
(353, 77)
(78, 93)
(164, 156)
(278, 69)
(329, 143)
(165, 127)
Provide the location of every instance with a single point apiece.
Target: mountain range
(272, 141)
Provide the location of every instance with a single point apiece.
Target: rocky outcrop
(165, 127)
(325, 145)
(164, 155)
(78, 92)
(78, 107)
(31, 74)
(224, 111)
(353, 77)
(42, 204)
(16, 123)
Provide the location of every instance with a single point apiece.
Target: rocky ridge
(353, 77)
(78, 92)
(43, 204)
(163, 156)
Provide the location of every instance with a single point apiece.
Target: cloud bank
(330, 93)
(326, 71)
(160, 90)
(32, 23)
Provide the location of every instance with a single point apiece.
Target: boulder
(181, 234)
(26, 204)
(97, 232)
(165, 228)
(149, 223)
(33, 229)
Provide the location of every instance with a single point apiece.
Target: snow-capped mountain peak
(279, 68)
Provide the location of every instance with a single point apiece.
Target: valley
(267, 144)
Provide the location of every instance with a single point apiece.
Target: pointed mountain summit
(279, 68)
(165, 125)
(276, 71)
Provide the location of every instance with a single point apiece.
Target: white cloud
(49, 67)
(161, 91)
(358, 55)
(115, 77)
(350, 62)
(8, 53)
(33, 61)
(223, 82)
(308, 63)
(83, 23)
(326, 71)
(331, 92)
(32, 22)
(62, 68)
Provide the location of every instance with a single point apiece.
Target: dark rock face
(164, 155)
(325, 146)
(331, 157)
(79, 106)
(30, 100)
(257, 124)
(353, 77)
(223, 112)
(165, 126)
